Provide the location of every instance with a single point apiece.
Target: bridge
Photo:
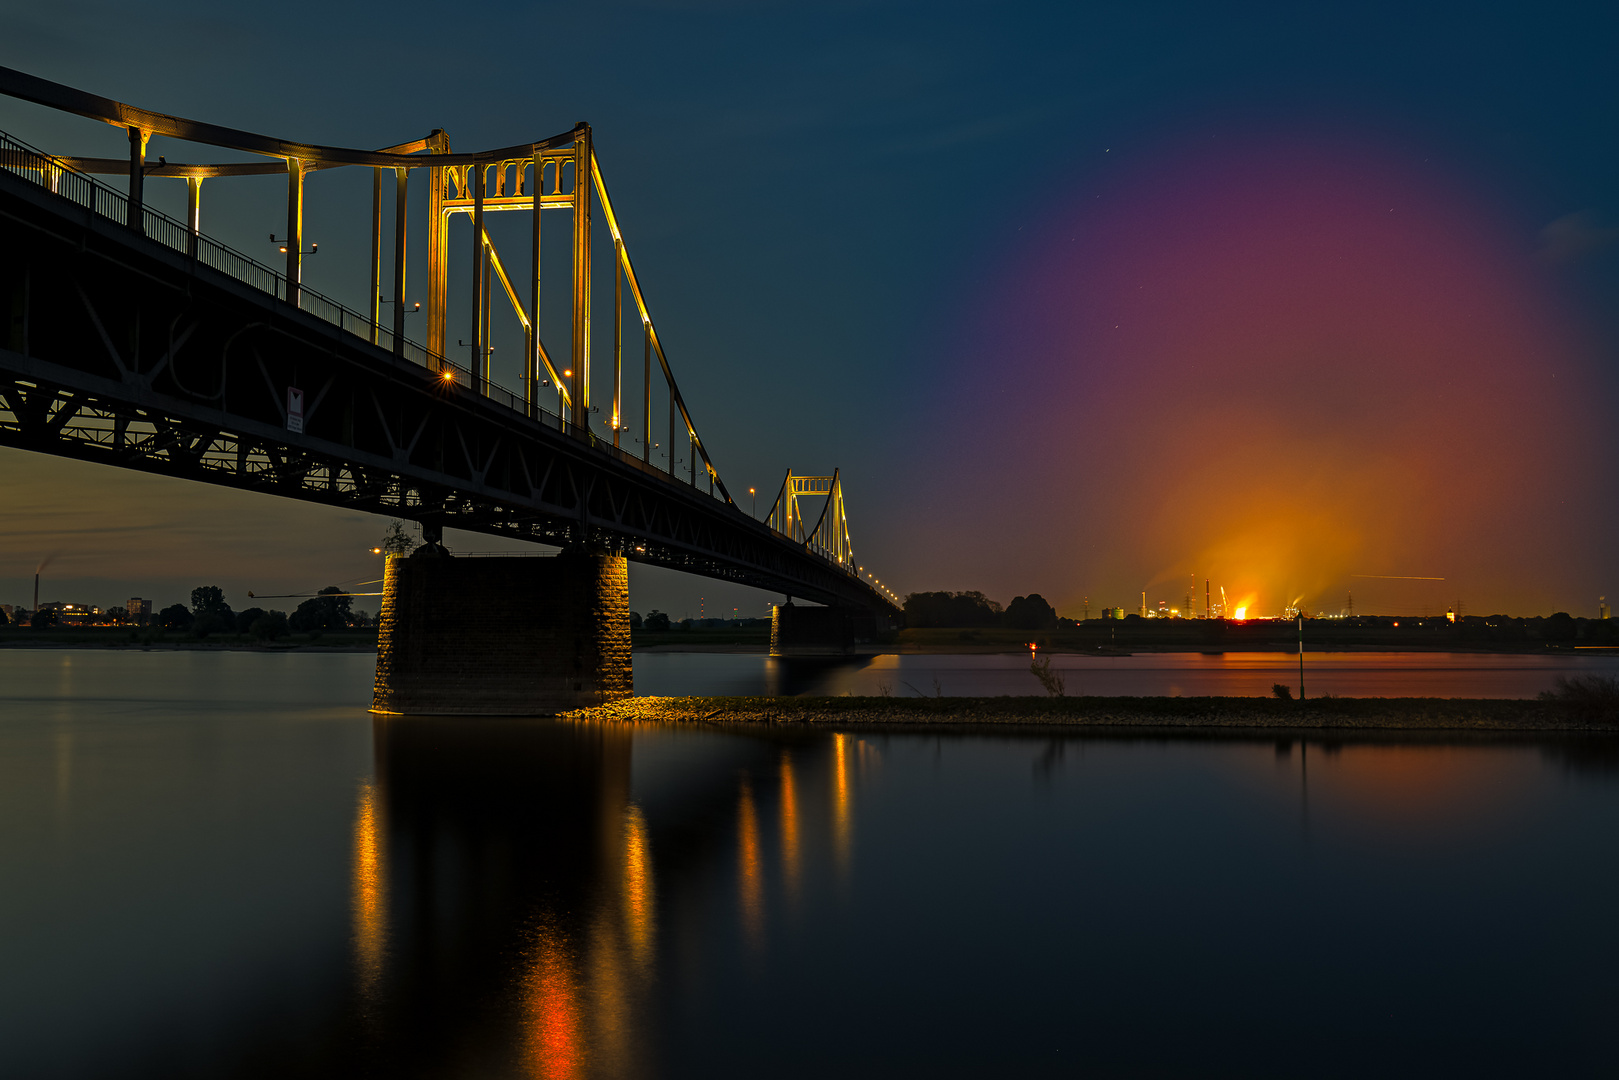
(137, 340)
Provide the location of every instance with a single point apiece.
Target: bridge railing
(84, 190)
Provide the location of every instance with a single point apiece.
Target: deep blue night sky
(827, 204)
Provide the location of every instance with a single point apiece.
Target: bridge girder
(123, 351)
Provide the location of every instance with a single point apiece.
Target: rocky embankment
(1410, 714)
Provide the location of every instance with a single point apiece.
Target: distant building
(73, 614)
(140, 611)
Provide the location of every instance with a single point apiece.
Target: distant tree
(397, 541)
(950, 609)
(1560, 627)
(635, 620)
(4, 618)
(1030, 613)
(210, 614)
(118, 615)
(246, 619)
(657, 620)
(175, 617)
(43, 619)
(328, 610)
(269, 625)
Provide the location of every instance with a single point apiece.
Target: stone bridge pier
(518, 636)
(823, 631)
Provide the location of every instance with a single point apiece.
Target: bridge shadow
(793, 676)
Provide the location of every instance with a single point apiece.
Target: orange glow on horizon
(1293, 351)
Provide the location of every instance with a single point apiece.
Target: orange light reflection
(789, 826)
(639, 914)
(370, 895)
(841, 810)
(555, 1044)
(749, 879)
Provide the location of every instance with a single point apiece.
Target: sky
(1085, 300)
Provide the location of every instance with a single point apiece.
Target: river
(218, 864)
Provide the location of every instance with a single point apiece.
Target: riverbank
(1402, 714)
(126, 639)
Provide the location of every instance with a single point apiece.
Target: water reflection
(791, 676)
(842, 811)
(516, 858)
(1242, 674)
(319, 894)
(789, 827)
(370, 892)
(750, 878)
(639, 896)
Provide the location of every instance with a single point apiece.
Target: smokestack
(1207, 607)
(36, 590)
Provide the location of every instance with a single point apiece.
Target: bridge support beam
(821, 631)
(502, 636)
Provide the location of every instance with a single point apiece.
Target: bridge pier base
(502, 636)
(820, 631)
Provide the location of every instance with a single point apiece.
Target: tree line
(329, 609)
(971, 609)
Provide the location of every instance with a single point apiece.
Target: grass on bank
(1594, 698)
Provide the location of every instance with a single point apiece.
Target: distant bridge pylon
(829, 537)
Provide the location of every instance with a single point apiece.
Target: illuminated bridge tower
(833, 630)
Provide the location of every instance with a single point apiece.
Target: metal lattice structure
(137, 340)
(829, 537)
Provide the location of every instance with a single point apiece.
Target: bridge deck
(131, 351)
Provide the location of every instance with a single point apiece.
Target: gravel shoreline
(1404, 714)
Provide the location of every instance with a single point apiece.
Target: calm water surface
(217, 864)
(1393, 674)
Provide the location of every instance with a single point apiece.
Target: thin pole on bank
(1301, 655)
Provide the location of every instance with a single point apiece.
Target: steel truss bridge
(135, 339)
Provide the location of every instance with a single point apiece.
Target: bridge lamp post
(755, 503)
